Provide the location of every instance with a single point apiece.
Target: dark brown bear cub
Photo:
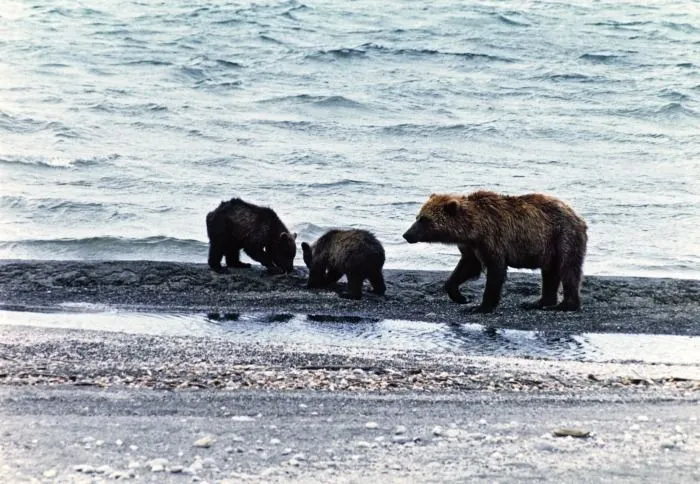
(355, 253)
(236, 225)
(494, 232)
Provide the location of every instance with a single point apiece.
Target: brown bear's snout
(411, 234)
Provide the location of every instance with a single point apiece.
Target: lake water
(122, 123)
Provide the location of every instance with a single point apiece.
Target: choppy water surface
(123, 122)
(324, 331)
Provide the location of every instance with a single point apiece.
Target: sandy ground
(91, 406)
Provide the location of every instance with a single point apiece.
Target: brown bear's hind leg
(233, 259)
(571, 282)
(468, 267)
(495, 277)
(550, 287)
(377, 281)
(354, 286)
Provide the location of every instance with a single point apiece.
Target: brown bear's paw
(539, 304)
(240, 265)
(456, 296)
(220, 270)
(482, 309)
(564, 306)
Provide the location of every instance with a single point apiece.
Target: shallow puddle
(328, 330)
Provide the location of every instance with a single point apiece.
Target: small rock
(116, 475)
(242, 418)
(208, 463)
(205, 442)
(105, 469)
(634, 427)
(133, 465)
(84, 468)
(176, 469)
(437, 431)
(157, 468)
(497, 455)
(275, 441)
(399, 439)
(363, 444)
(452, 433)
(195, 467)
(240, 450)
(396, 467)
(642, 418)
(50, 473)
(303, 405)
(133, 448)
(300, 457)
(118, 442)
(99, 443)
(482, 421)
(287, 451)
(371, 425)
(577, 433)
(229, 450)
(293, 462)
(400, 430)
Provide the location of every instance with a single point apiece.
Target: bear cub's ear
(308, 256)
(452, 207)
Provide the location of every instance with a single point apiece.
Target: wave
(433, 52)
(506, 19)
(346, 182)
(57, 162)
(340, 53)
(672, 110)
(429, 130)
(322, 101)
(106, 247)
(602, 58)
(572, 77)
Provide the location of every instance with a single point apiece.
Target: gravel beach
(87, 406)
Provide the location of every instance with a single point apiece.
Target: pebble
(133, 448)
(642, 418)
(634, 427)
(482, 421)
(84, 468)
(452, 433)
(363, 444)
(396, 467)
(105, 469)
(118, 442)
(242, 418)
(371, 425)
(399, 439)
(293, 462)
(205, 442)
(437, 431)
(133, 465)
(400, 430)
(567, 432)
(176, 469)
(99, 443)
(116, 475)
(229, 450)
(50, 473)
(275, 441)
(157, 465)
(299, 457)
(195, 467)
(287, 451)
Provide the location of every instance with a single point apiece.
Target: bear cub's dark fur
(236, 225)
(354, 253)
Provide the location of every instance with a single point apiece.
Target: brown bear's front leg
(468, 267)
(216, 252)
(233, 259)
(378, 284)
(495, 277)
(354, 286)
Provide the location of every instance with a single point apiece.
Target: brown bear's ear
(294, 236)
(285, 235)
(452, 207)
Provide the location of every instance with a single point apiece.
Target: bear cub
(236, 225)
(356, 253)
(494, 232)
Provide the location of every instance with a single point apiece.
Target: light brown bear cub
(494, 232)
(354, 253)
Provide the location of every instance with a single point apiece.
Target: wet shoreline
(611, 304)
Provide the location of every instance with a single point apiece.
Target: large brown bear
(236, 225)
(494, 232)
(355, 253)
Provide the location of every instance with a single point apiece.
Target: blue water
(123, 122)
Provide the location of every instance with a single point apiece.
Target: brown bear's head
(308, 252)
(441, 219)
(285, 251)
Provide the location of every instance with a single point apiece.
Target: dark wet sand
(611, 304)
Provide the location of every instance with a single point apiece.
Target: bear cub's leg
(355, 281)
(377, 281)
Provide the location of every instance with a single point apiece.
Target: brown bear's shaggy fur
(236, 225)
(494, 232)
(355, 253)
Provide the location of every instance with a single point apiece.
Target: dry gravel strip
(629, 305)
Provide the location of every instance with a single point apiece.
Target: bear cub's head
(284, 251)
